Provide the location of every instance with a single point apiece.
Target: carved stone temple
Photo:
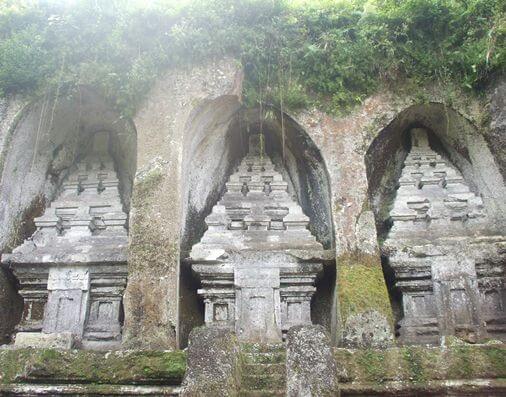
(249, 260)
(447, 259)
(73, 270)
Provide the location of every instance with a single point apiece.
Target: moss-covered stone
(364, 304)
(77, 366)
(422, 364)
(362, 285)
(213, 363)
(153, 258)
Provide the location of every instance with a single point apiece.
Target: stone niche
(73, 270)
(257, 262)
(447, 259)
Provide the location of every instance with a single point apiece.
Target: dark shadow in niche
(215, 143)
(451, 136)
(213, 146)
(49, 138)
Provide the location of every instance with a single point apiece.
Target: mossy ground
(362, 286)
(78, 366)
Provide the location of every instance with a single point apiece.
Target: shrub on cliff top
(328, 52)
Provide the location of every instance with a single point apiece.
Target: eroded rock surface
(497, 134)
(213, 363)
(310, 363)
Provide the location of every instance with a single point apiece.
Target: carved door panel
(258, 304)
(67, 303)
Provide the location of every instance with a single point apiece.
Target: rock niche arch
(436, 190)
(68, 176)
(233, 174)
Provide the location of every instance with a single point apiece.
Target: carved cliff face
(78, 258)
(443, 253)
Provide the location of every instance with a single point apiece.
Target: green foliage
(327, 52)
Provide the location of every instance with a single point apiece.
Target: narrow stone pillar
(213, 363)
(156, 216)
(310, 363)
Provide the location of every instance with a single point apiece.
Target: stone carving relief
(72, 271)
(448, 263)
(249, 259)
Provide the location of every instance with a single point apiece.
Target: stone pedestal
(258, 304)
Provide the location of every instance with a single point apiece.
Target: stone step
(262, 348)
(264, 358)
(263, 382)
(264, 369)
(262, 393)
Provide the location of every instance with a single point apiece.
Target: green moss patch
(77, 366)
(149, 249)
(422, 364)
(361, 286)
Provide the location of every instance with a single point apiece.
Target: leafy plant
(327, 52)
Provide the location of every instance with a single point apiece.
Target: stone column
(311, 368)
(363, 314)
(152, 295)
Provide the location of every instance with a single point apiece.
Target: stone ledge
(77, 367)
(87, 390)
(462, 367)
(476, 387)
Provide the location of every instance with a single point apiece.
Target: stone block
(310, 363)
(213, 363)
(62, 340)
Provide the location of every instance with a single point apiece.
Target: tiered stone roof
(256, 212)
(86, 222)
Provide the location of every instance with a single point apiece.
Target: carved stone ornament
(448, 263)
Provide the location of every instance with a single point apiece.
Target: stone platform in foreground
(26, 372)
(460, 369)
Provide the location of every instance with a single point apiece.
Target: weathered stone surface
(343, 143)
(10, 302)
(10, 109)
(361, 151)
(310, 363)
(55, 340)
(213, 363)
(165, 130)
(366, 314)
(72, 271)
(11, 306)
(456, 370)
(248, 282)
(367, 329)
(89, 390)
(78, 367)
(496, 136)
(45, 141)
(263, 369)
(446, 254)
(38, 143)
